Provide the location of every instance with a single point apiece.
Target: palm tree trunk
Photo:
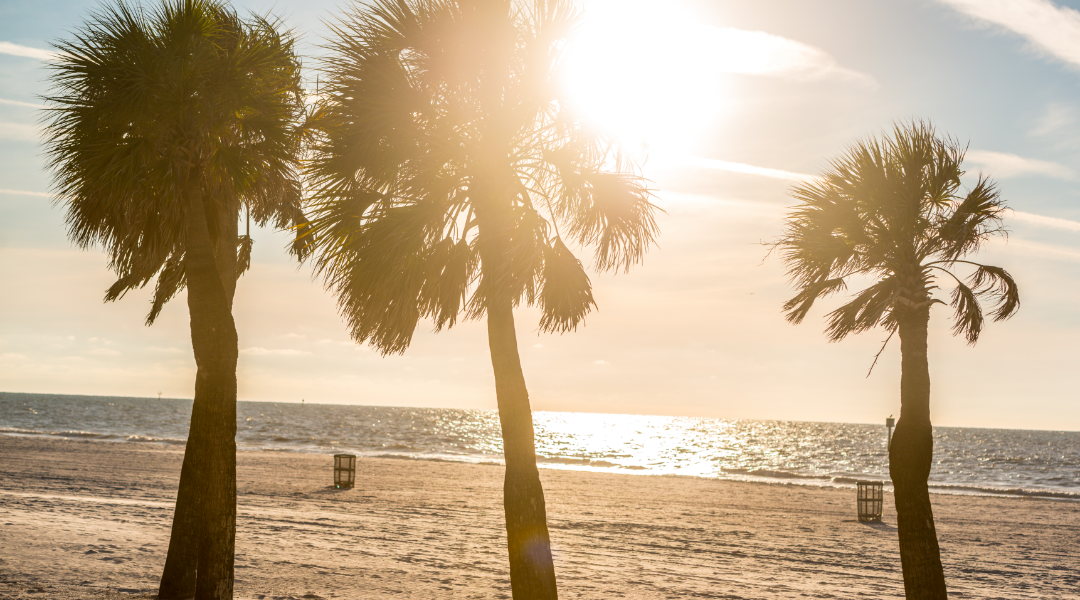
(182, 561)
(532, 571)
(205, 519)
(910, 458)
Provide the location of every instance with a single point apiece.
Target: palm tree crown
(890, 210)
(147, 106)
(448, 162)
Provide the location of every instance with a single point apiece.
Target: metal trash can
(344, 471)
(871, 500)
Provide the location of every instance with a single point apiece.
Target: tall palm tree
(162, 125)
(446, 168)
(890, 211)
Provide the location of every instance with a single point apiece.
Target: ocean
(1008, 462)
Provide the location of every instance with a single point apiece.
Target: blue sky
(737, 101)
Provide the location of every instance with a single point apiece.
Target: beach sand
(83, 519)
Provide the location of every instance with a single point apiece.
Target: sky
(735, 103)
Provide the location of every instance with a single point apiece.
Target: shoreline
(88, 519)
(844, 481)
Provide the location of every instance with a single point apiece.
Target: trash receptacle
(344, 470)
(871, 500)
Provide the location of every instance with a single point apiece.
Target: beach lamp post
(870, 500)
(889, 424)
(344, 471)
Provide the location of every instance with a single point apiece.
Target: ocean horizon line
(535, 410)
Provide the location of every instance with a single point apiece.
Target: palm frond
(798, 307)
(998, 285)
(870, 308)
(243, 254)
(302, 242)
(170, 281)
(974, 218)
(612, 212)
(511, 251)
(452, 269)
(967, 314)
(136, 270)
(565, 291)
(379, 273)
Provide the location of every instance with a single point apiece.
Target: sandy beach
(84, 519)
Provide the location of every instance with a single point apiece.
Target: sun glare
(643, 74)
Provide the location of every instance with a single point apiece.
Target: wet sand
(82, 519)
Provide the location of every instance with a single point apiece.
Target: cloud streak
(1000, 165)
(26, 51)
(25, 193)
(20, 103)
(1003, 165)
(759, 53)
(1056, 118)
(1050, 29)
(614, 30)
(1041, 221)
(733, 167)
(1046, 250)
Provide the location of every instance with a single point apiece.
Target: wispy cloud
(1041, 221)
(20, 103)
(25, 193)
(1046, 250)
(732, 167)
(759, 53)
(1057, 117)
(1002, 165)
(1050, 29)
(27, 51)
(613, 32)
(999, 165)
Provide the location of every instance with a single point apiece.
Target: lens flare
(640, 72)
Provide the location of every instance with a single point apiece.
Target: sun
(641, 73)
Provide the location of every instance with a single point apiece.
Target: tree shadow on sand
(873, 524)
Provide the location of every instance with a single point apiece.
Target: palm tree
(445, 167)
(162, 125)
(890, 211)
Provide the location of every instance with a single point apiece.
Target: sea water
(966, 460)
